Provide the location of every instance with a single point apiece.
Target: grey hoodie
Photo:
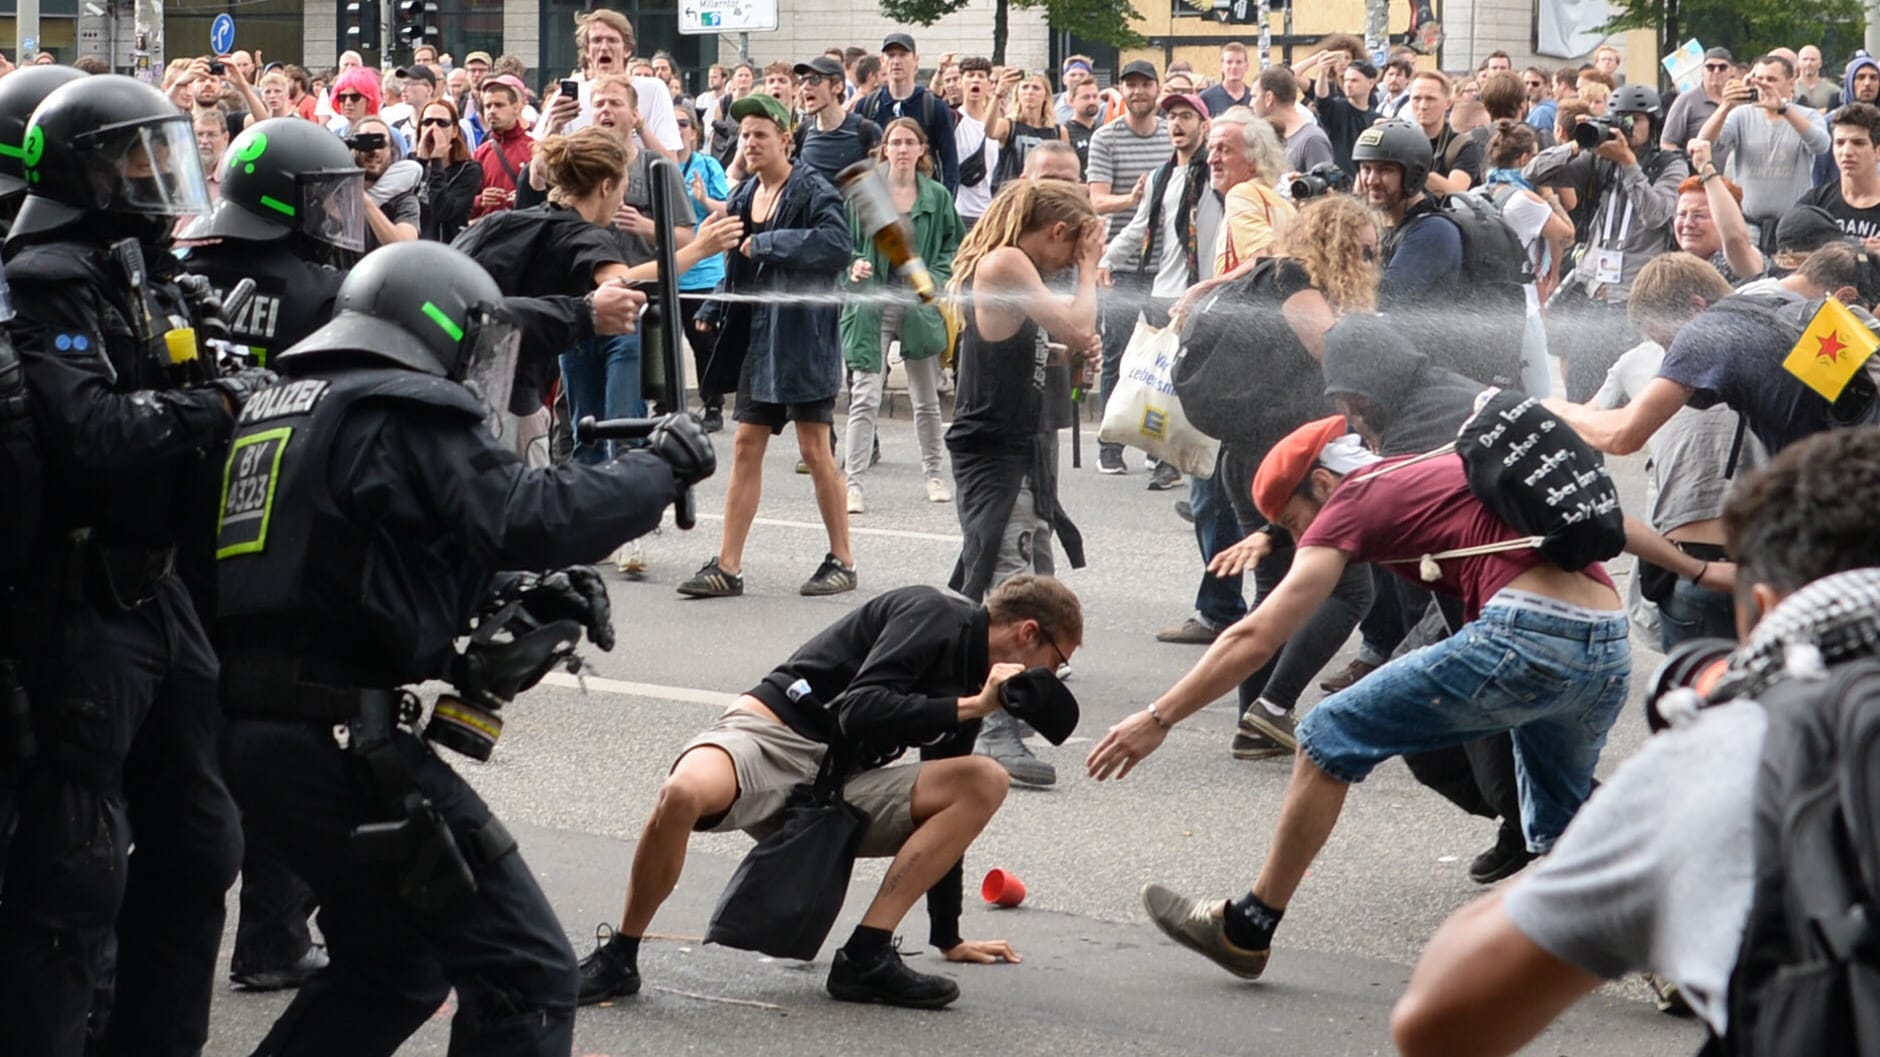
(1422, 406)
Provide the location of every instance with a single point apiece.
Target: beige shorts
(771, 759)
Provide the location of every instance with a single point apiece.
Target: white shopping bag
(1144, 412)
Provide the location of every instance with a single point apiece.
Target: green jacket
(937, 234)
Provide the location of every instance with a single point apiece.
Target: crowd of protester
(1349, 228)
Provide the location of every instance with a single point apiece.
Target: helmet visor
(153, 170)
(332, 209)
(492, 346)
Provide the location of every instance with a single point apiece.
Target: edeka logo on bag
(1154, 423)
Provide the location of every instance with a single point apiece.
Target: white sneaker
(856, 506)
(631, 558)
(937, 491)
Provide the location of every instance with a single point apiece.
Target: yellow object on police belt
(181, 344)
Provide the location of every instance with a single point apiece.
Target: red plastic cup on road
(1002, 889)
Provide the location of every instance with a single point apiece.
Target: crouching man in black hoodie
(911, 668)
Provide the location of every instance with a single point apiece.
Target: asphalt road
(576, 772)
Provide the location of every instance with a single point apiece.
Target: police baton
(591, 428)
(663, 309)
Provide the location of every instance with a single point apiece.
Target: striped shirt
(1119, 157)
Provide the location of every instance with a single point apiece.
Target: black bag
(1235, 347)
(1807, 976)
(973, 166)
(784, 897)
(1495, 274)
(1537, 475)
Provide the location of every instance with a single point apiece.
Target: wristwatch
(1782, 109)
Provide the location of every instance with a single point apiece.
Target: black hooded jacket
(1419, 406)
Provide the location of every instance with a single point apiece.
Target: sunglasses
(348, 97)
(1716, 67)
(1536, 84)
(436, 122)
(683, 124)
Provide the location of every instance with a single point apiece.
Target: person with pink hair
(356, 95)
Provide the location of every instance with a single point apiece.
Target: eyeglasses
(1055, 648)
(436, 122)
(683, 124)
(348, 97)
(1536, 84)
(1716, 67)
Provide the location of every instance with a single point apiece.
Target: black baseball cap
(1041, 699)
(820, 66)
(1139, 68)
(418, 73)
(898, 40)
(1805, 229)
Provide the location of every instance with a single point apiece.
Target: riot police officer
(337, 587)
(121, 677)
(20, 94)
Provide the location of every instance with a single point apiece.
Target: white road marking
(631, 689)
(854, 529)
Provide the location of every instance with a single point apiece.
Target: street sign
(222, 34)
(727, 16)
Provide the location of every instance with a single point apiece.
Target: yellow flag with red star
(1831, 351)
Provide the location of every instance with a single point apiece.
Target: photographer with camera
(1635, 184)
(912, 668)
(1667, 869)
(337, 589)
(393, 193)
(1771, 142)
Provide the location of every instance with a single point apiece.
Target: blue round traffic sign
(222, 34)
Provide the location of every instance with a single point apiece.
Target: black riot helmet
(1637, 99)
(1400, 143)
(285, 176)
(111, 145)
(21, 92)
(424, 306)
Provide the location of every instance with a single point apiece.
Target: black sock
(866, 944)
(627, 947)
(1250, 923)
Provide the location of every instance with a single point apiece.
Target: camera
(1684, 681)
(1592, 131)
(1754, 95)
(218, 67)
(367, 141)
(1323, 178)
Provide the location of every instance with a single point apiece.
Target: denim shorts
(1553, 675)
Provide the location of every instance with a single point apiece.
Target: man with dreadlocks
(1003, 441)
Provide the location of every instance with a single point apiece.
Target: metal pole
(744, 47)
(28, 26)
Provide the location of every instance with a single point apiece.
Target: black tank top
(1000, 396)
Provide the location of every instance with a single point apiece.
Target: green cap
(761, 104)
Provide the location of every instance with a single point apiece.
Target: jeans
(1287, 674)
(923, 389)
(1553, 676)
(1220, 600)
(602, 377)
(1693, 612)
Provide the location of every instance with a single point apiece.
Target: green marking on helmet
(8, 150)
(444, 322)
(277, 205)
(256, 146)
(35, 146)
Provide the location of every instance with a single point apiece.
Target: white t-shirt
(655, 112)
(1527, 215)
(968, 134)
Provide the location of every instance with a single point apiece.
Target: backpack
(1533, 472)
(1859, 404)
(1494, 274)
(1238, 359)
(1807, 975)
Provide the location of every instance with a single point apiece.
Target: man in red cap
(1544, 656)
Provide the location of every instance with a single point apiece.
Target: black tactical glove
(245, 383)
(682, 443)
(205, 305)
(576, 593)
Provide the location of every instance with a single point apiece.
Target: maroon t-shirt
(1425, 509)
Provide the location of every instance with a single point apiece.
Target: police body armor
(292, 297)
(284, 548)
